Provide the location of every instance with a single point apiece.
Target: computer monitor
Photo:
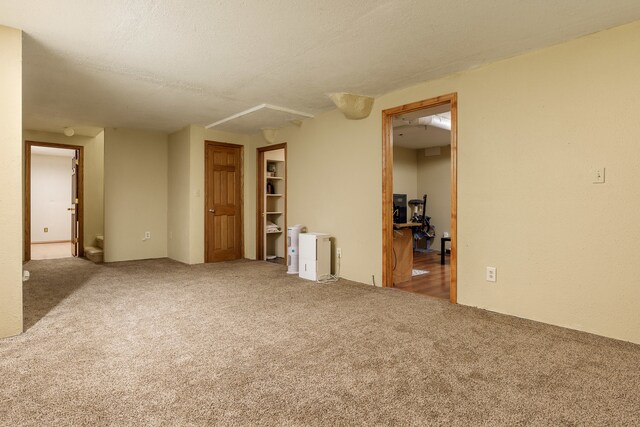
(399, 208)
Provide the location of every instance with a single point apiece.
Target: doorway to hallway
(53, 201)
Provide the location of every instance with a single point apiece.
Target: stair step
(100, 241)
(94, 254)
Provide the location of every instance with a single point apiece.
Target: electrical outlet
(598, 176)
(147, 235)
(46, 229)
(339, 252)
(491, 274)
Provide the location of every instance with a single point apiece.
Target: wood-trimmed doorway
(79, 206)
(260, 194)
(387, 185)
(223, 201)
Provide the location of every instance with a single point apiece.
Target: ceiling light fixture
(435, 121)
(354, 107)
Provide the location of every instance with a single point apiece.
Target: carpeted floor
(242, 343)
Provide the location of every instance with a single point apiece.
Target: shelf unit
(274, 203)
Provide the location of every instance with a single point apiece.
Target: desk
(403, 255)
(403, 251)
(415, 226)
(442, 248)
(407, 225)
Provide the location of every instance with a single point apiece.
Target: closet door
(223, 202)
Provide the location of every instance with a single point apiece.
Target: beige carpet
(160, 343)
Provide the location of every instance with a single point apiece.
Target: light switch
(598, 176)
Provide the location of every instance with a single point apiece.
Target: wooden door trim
(387, 185)
(27, 195)
(208, 143)
(260, 196)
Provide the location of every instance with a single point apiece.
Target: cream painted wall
(179, 196)
(574, 265)
(11, 179)
(186, 192)
(196, 194)
(405, 172)
(50, 198)
(335, 186)
(94, 190)
(135, 194)
(93, 177)
(434, 180)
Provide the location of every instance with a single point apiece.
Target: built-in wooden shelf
(274, 204)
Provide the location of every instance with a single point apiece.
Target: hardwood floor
(436, 282)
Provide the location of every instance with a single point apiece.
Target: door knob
(212, 210)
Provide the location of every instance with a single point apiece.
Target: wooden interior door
(75, 185)
(223, 202)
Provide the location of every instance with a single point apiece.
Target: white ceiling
(50, 151)
(163, 64)
(417, 137)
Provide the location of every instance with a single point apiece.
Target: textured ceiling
(165, 64)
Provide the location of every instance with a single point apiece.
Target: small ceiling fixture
(69, 131)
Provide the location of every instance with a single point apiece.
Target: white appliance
(315, 256)
(293, 234)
